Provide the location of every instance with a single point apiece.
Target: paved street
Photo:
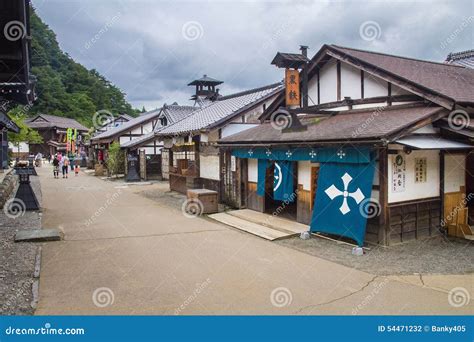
(126, 254)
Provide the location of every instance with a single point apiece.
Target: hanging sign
(420, 170)
(398, 173)
(292, 87)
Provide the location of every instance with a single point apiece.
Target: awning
(424, 142)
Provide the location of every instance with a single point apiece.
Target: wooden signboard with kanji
(292, 86)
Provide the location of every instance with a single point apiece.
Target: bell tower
(205, 88)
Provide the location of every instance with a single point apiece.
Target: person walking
(56, 166)
(65, 167)
(77, 162)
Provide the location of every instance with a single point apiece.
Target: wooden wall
(303, 206)
(254, 201)
(414, 220)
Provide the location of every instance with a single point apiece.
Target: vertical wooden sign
(292, 87)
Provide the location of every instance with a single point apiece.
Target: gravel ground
(436, 255)
(17, 261)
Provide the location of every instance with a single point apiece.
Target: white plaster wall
(234, 128)
(414, 191)
(209, 167)
(252, 170)
(350, 82)
(374, 86)
(454, 172)
(304, 174)
(123, 139)
(328, 82)
(313, 90)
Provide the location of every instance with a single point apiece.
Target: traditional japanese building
(366, 146)
(54, 129)
(117, 121)
(148, 148)
(17, 85)
(190, 156)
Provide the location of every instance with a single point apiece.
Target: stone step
(38, 235)
(250, 227)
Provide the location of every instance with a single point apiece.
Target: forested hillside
(66, 88)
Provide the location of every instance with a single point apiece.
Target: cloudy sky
(151, 49)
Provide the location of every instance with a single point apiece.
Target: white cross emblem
(250, 152)
(334, 192)
(268, 153)
(341, 154)
(288, 154)
(312, 154)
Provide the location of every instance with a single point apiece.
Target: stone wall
(7, 187)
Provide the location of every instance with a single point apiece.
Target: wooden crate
(207, 197)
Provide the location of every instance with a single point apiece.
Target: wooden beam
(343, 103)
(338, 80)
(384, 219)
(417, 90)
(362, 84)
(389, 90)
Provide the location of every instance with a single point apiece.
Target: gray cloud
(141, 47)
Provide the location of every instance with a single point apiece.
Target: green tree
(65, 87)
(26, 134)
(116, 159)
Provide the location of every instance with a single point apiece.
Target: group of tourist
(64, 162)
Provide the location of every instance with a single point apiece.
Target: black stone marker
(132, 168)
(25, 192)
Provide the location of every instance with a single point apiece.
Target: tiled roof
(47, 121)
(375, 123)
(126, 126)
(450, 80)
(463, 58)
(176, 113)
(225, 108)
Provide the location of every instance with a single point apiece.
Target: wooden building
(410, 121)
(17, 85)
(117, 121)
(53, 130)
(148, 148)
(190, 156)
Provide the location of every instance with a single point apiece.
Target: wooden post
(441, 191)
(384, 220)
